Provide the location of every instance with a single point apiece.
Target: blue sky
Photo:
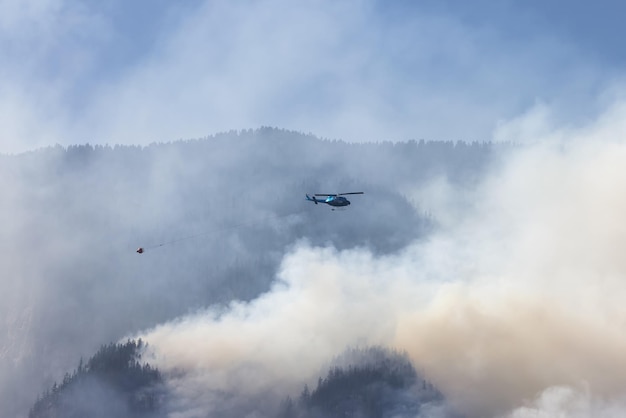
(78, 72)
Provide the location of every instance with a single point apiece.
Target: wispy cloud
(357, 70)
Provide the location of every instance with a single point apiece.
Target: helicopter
(335, 200)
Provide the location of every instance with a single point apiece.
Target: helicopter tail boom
(312, 199)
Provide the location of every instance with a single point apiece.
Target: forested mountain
(113, 383)
(367, 382)
(370, 382)
(215, 215)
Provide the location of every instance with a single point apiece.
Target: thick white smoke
(518, 296)
(563, 401)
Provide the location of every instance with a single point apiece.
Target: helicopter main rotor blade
(341, 194)
(327, 195)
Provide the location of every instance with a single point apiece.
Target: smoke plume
(518, 296)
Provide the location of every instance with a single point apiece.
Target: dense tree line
(375, 383)
(112, 383)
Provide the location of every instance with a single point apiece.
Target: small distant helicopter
(335, 200)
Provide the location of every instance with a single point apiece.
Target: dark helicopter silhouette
(335, 200)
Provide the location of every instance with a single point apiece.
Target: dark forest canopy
(113, 383)
(368, 382)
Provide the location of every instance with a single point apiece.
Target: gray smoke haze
(514, 308)
(511, 305)
(502, 277)
(73, 218)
